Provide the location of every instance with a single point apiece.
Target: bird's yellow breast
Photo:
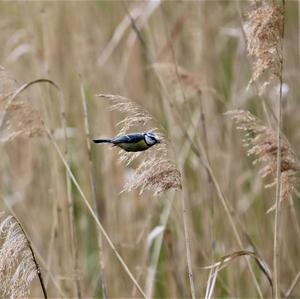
(134, 147)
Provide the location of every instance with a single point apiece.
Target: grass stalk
(93, 188)
(53, 234)
(276, 247)
(210, 194)
(293, 285)
(73, 243)
(150, 280)
(187, 240)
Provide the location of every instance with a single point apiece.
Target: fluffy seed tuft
(262, 143)
(17, 268)
(17, 117)
(264, 36)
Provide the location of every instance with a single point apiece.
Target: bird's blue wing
(129, 138)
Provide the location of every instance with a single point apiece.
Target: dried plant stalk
(264, 34)
(262, 143)
(226, 260)
(156, 171)
(93, 188)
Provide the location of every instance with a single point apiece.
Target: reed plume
(262, 144)
(18, 117)
(155, 170)
(17, 267)
(264, 34)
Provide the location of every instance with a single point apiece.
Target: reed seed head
(17, 268)
(18, 117)
(264, 37)
(262, 144)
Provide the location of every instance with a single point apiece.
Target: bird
(133, 142)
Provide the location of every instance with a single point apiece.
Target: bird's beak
(158, 141)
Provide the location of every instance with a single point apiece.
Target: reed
(185, 217)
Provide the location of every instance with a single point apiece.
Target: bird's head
(151, 138)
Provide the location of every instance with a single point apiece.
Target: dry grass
(185, 64)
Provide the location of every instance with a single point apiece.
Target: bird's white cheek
(149, 141)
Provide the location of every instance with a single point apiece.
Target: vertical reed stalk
(277, 199)
(53, 234)
(187, 239)
(276, 247)
(150, 280)
(208, 177)
(93, 188)
(73, 245)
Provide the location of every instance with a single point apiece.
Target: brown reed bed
(185, 64)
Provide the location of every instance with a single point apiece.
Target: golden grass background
(88, 48)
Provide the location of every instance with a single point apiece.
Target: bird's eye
(151, 135)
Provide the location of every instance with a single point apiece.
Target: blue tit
(133, 142)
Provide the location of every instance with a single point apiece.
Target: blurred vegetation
(88, 45)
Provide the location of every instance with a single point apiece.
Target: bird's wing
(129, 138)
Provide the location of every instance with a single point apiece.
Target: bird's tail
(102, 140)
